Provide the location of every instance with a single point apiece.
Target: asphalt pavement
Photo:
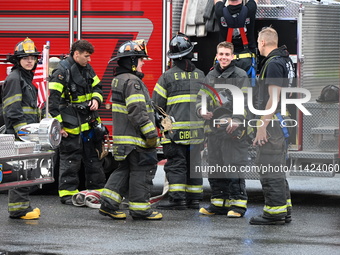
(63, 229)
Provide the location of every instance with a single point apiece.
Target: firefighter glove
(151, 142)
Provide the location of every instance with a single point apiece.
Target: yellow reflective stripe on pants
(112, 195)
(275, 209)
(238, 203)
(137, 206)
(65, 192)
(12, 207)
(194, 188)
(177, 187)
(289, 203)
(219, 202)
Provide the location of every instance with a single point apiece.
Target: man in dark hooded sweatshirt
(176, 92)
(277, 70)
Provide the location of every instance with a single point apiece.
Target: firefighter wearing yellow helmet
(20, 108)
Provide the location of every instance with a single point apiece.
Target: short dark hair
(82, 46)
(227, 45)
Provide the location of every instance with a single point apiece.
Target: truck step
(313, 155)
(334, 131)
(314, 163)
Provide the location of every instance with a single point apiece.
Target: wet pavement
(63, 229)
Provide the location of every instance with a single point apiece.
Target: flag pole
(46, 56)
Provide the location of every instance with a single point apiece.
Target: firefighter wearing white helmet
(135, 139)
(175, 93)
(20, 108)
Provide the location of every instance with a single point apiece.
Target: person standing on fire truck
(134, 138)
(227, 143)
(75, 96)
(233, 14)
(270, 137)
(19, 109)
(176, 92)
(237, 25)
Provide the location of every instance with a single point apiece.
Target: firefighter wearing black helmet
(75, 96)
(329, 94)
(19, 109)
(176, 92)
(134, 136)
(227, 137)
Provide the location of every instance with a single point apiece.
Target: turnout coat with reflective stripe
(88, 87)
(231, 75)
(19, 101)
(176, 93)
(132, 114)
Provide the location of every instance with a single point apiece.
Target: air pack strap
(236, 21)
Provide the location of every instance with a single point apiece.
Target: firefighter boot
(37, 210)
(288, 218)
(173, 204)
(116, 215)
(32, 215)
(261, 220)
(66, 200)
(193, 204)
(152, 216)
(234, 214)
(213, 210)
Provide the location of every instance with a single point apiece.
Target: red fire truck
(106, 24)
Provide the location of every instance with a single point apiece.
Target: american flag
(40, 83)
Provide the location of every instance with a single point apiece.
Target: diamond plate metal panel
(251, 175)
(313, 155)
(176, 15)
(320, 49)
(24, 147)
(323, 115)
(277, 9)
(7, 145)
(312, 174)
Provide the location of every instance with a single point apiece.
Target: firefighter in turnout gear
(176, 92)
(275, 74)
(75, 96)
(19, 97)
(134, 136)
(227, 139)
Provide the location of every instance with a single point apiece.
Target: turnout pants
(19, 202)
(133, 180)
(181, 160)
(274, 184)
(73, 151)
(228, 185)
